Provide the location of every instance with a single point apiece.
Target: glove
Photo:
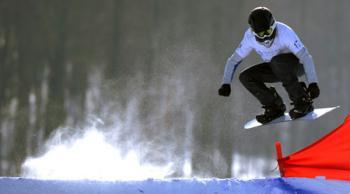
(225, 90)
(313, 90)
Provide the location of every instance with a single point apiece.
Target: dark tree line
(46, 54)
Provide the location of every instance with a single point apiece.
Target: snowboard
(316, 113)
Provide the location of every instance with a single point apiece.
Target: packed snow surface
(175, 186)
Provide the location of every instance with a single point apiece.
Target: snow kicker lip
(175, 186)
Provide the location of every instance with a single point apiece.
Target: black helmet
(262, 23)
(260, 19)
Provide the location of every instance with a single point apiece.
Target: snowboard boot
(302, 106)
(272, 110)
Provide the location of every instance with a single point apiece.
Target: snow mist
(136, 136)
(90, 156)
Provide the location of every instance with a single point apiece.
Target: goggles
(266, 33)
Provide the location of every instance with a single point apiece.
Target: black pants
(283, 68)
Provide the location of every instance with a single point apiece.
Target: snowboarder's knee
(245, 76)
(285, 58)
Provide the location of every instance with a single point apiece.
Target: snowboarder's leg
(254, 79)
(286, 68)
(302, 106)
(272, 110)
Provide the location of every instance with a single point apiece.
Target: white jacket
(285, 41)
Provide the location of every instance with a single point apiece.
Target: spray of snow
(126, 141)
(90, 156)
(252, 167)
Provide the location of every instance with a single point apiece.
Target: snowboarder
(285, 59)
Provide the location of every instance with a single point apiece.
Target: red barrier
(329, 157)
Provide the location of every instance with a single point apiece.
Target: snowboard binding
(302, 106)
(272, 111)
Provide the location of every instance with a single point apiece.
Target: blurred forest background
(155, 66)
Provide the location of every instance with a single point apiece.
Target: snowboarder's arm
(298, 48)
(308, 63)
(232, 63)
(236, 58)
(230, 67)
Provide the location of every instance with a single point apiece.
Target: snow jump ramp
(175, 186)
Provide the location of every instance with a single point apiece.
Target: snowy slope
(174, 186)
